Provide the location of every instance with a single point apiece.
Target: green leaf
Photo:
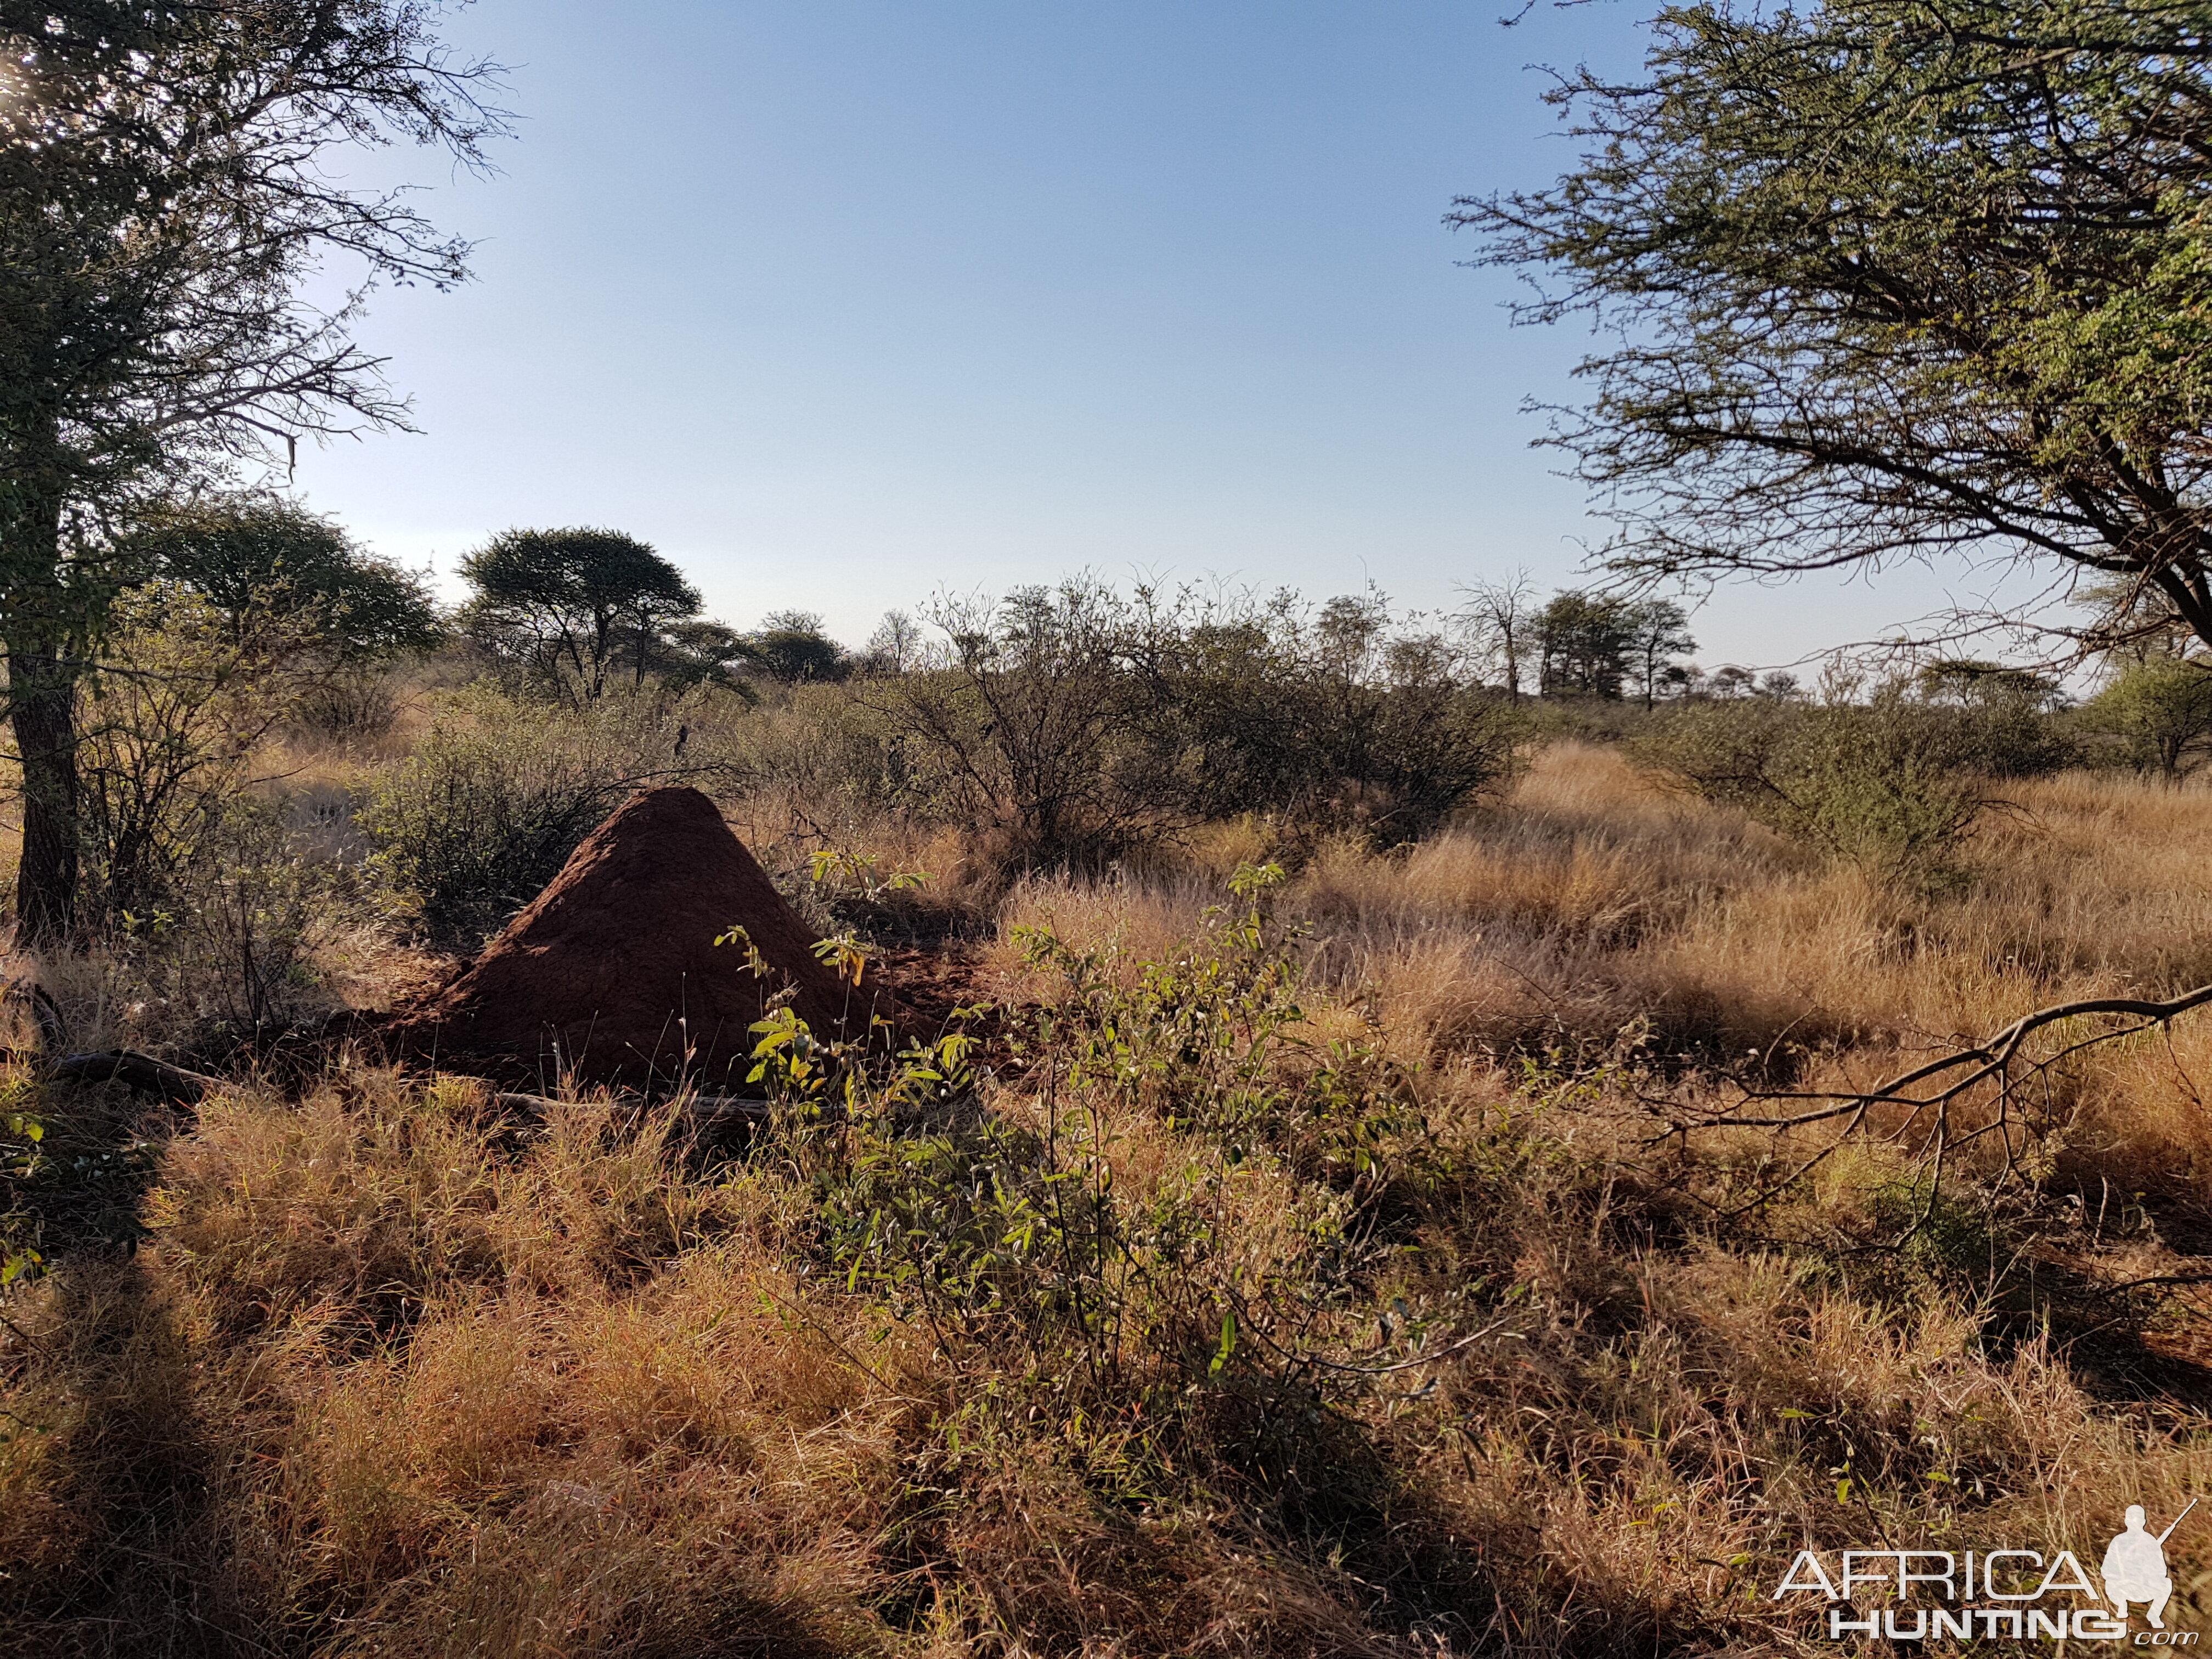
(1228, 1345)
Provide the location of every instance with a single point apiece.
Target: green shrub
(1078, 726)
(1021, 1239)
(357, 700)
(2160, 711)
(1340, 720)
(490, 806)
(1896, 785)
(2000, 722)
(810, 742)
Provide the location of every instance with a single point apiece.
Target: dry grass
(1594, 899)
(453, 1394)
(396, 1379)
(395, 1375)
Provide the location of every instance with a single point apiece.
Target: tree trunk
(42, 676)
(42, 686)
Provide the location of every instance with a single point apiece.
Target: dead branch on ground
(1935, 1087)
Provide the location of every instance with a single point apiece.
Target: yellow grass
(1595, 899)
(396, 1376)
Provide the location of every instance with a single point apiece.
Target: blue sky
(843, 302)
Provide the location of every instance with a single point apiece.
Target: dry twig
(1937, 1086)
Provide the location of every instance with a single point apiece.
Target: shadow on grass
(140, 1528)
(131, 1562)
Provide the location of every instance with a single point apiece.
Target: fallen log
(136, 1070)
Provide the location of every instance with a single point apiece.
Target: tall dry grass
(425, 1383)
(1595, 899)
(393, 1373)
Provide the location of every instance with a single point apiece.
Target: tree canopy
(1657, 632)
(2159, 709)
(1582, 643)
(165, 190)
(574, 606)
(250, 552)
(791, 646)
(1886, 279)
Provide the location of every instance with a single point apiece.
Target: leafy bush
(491, 803)
(2160, 711)
(1335, 721)
(2002, 722)
(1004, 1236)
(1895, 784)
(1079, 725)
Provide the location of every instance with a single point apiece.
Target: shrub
(1331, 722)
(170, 725)
(360, 699)
(234, 960)
(1895, 785)
(2001, 722)
(1030, 726)
(1079, 725)
(1207, 1289)
(492, 802)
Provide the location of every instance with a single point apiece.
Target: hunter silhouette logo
(2135, 1567)
(2003, 1594)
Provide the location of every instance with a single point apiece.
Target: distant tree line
(1577, 643)
(1077, 724)
(576, 612)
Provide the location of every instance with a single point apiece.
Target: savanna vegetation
(1412, 1167)
(1313, 1246)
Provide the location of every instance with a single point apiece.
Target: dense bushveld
(1296, 1260)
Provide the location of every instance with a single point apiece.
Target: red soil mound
(612, 975)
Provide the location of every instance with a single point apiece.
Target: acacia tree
(164, 193)
(1657, 632)
(1584, 641)
(1887, 279)
(572, 605)
(790, 645)
(251, 553)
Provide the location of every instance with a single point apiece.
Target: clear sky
(841, 302)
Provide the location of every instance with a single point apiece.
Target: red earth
(613, 976)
